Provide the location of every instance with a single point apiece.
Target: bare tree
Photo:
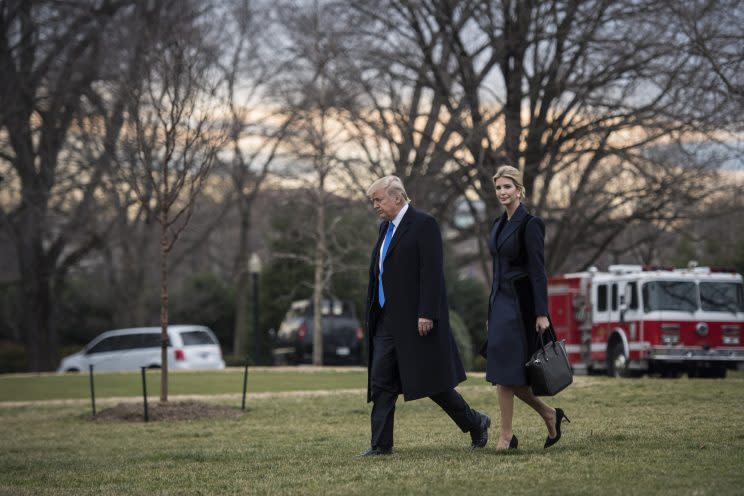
(581, 95)
(249, 71)
(712, 29)
(128, 251)
(56, 61)
(316, 103)
(173, 134)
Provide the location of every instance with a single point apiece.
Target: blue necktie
(385, 244)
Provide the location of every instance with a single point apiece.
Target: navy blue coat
(414, 286)
(511, 319)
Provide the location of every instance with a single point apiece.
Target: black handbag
(548, 370)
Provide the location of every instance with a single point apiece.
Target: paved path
(203, 397)
(581, 381)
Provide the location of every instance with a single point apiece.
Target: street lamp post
(254, 267)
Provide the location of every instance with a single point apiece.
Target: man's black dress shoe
(375, 452)
(479, 435)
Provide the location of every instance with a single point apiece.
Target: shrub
(13, 357)
(479, 364)
(207, 300)
(233, 361)
(462, 338)
(469, 298)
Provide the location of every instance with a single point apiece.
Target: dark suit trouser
(385, 379)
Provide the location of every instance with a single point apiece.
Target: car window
(191, 338)
(342, 308)
(107, 344)
(151, 340)
(298, 310)
(336, 308)
(129, 341)
(328, 308)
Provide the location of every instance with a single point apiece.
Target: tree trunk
(164, 304)
(240, 333)
(36, 296)
(320, 252)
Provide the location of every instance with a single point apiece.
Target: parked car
(343, 337)
(189, 347)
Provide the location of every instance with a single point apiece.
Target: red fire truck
(633, 319)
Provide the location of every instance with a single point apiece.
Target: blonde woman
(516, 242)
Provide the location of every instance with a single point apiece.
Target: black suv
(343, 336)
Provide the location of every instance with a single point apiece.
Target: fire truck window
(721, 296)
(670, 295)
(614, 297)
(633, 305)
(602, 298)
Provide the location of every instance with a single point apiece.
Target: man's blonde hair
(392, 185)
(515, 175)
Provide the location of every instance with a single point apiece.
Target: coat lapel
(493, 233)
(512, 225)
(375, 267)
(405, 223)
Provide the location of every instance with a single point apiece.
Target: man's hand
(424, 326)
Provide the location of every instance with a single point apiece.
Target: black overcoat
(519, 292)
(413, 280)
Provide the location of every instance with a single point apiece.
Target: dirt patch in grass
(171, 410)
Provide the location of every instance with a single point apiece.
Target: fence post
(92, 389)
(245, 382)
(144, 391)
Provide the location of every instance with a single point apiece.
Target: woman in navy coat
(513, 330)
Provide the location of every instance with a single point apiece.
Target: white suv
(189, 347)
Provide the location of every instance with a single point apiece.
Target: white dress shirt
(396, 223)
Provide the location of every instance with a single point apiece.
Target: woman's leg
(546, 411)
(506, 407)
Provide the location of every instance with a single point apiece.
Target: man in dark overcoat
(411, 347)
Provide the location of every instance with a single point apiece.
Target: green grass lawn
(29, 387)
(632, 436)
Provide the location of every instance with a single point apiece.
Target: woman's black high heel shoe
(514, 442)
(559, 416)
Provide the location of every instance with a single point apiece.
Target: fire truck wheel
(617, 362)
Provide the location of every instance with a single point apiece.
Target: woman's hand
(542, 323)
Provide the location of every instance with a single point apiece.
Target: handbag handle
(550, 329)
(551, 334)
